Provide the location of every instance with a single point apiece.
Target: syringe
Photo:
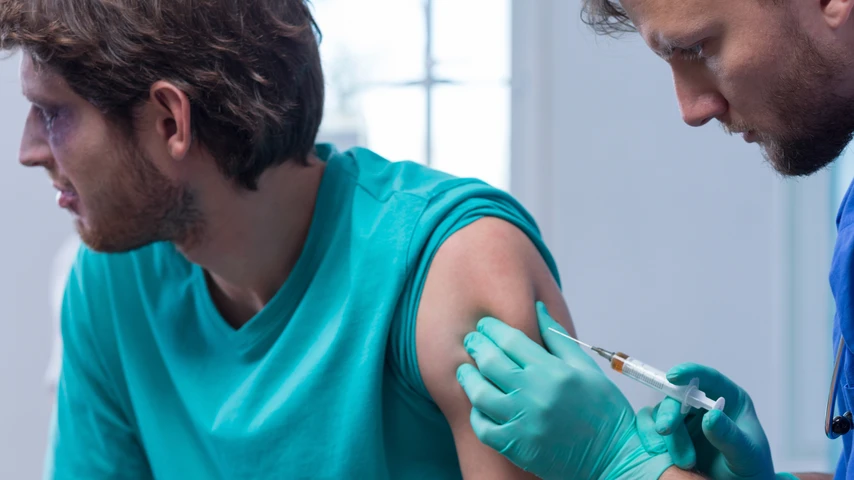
(690, 395)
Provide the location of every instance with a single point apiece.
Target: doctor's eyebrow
(665, 46)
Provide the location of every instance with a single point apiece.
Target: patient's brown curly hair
(251, 68)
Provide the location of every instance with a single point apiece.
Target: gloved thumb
(557, 344)
(740, 452)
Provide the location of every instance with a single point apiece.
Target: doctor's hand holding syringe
(555, 413)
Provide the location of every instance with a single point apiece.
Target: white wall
(675, 244)
(33, 229)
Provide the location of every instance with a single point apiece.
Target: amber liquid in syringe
(618, 361)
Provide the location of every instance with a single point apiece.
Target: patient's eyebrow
(37, 98)
(42, 90)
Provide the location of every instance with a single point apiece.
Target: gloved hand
(553, 414)
(726, 445)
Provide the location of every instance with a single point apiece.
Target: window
(420, 80)
(843, 173)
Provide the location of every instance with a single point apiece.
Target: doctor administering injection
(781, 74)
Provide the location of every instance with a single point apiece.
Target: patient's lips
(66, 197)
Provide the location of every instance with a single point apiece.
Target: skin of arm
(488, 268)
(674, 473)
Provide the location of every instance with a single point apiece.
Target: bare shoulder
(489, 268)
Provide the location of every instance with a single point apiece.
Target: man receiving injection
(779, 72)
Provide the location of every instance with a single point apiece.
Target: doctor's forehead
(659, 20)
(667, 10)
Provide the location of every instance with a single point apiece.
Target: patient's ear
(171, 118)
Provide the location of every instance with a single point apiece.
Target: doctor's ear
(836, 13)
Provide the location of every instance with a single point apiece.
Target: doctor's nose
(699, 104)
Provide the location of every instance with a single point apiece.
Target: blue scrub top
(843, 323)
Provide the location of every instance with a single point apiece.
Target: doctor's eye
(693, 53)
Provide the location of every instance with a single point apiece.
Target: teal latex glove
(553, 414)
(726, 445)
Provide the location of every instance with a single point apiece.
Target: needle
(573, 339)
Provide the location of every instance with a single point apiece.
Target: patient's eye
(47, 116)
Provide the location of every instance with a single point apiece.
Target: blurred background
(674, 244)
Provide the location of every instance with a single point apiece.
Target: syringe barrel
(646, 374)
(689, 395)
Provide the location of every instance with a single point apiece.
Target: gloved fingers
(675, 438)
(681, 447)
(484, 396)
(515, 343)
(561, 347)
(488, 432)
(738, 449)
(493, 362)
(651, 440)
(669, 416)
(712, 382)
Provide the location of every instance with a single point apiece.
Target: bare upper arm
(489, 268)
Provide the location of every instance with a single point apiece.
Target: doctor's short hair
(607, 17)
(251, 68)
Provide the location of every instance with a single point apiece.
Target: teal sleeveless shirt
(322, 383)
